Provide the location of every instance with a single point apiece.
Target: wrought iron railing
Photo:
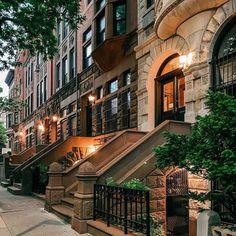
(126, 208)
(224, 74)
(226, 203)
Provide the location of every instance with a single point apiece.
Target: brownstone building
(101, 105)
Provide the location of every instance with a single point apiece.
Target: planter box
(221, 231)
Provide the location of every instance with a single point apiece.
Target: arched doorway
(170, 87)
(177, 203)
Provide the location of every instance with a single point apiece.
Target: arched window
(224, 60)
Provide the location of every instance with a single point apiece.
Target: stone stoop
(6, 183)
(99, 228)
(15, 189)
(65, 210)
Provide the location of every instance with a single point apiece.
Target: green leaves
(3, 135)
(210, 150)
(30, 24)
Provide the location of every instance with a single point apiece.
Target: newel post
(83, 208)
(55, 190)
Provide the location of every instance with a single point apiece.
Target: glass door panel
(168, 97)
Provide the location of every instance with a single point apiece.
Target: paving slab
(25, 216)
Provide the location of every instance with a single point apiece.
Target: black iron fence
(126, 208)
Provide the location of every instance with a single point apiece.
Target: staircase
(52, 153)
(65, 210)
(8, 181)
(16, 189)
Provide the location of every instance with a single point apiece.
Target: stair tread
(64, 210)
(69, 200)
(14, 188)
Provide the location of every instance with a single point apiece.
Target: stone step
(14, 190)
(99, 228)
(17, 185)
(72, 193)
(64, 212)
(68, 201)
(39, 196)
(5, 183)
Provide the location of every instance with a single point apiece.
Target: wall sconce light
(41, 128)
(91, 99)
(21, 133)
(54, 118)
(185, 60)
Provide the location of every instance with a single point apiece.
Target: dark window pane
(119, 19)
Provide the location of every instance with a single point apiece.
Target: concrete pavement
(25, 216)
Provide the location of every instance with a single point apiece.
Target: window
(99, 119)
(58, 68)
(111, 114)
(45, 88)
(149, 3)
(119, 15)
(41, 93)
(101, 26)
(29, 137)
(29, 105)
(113, 86)
(127, 78)
(72, 63)
(31, 71)
(87, 48)
(65, 28)
(29, 75)
(100, 93)
(64, 70)
(224, 63)
(72, 107)
(125, 108)
(100, 4)
(59, 33)
(38, 95)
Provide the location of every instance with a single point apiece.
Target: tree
(3, 136)
(30, 24)
(209, 151)
(9, 104)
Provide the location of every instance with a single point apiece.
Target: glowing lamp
(185, 60)
(54, 118)
(91, 98)
(41, 128)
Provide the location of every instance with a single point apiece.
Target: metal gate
(177, 203)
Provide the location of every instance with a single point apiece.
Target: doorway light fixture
(41, 128)
(54, 118)
(91, 98)
(185, 60)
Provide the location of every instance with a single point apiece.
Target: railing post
(84, 197)
(55, 190)
(126, 212)
(108, 207)
(94, 201)
(148, 212)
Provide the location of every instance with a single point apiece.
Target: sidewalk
(25, 216)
